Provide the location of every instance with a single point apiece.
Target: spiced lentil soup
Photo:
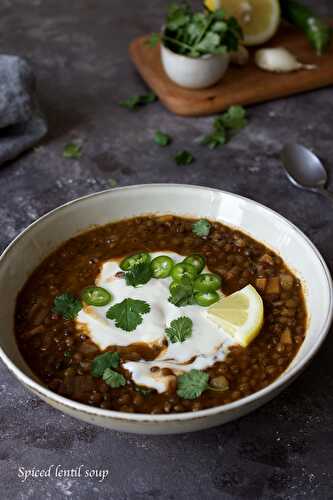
(59, 348)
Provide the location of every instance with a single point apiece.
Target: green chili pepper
(318, 32)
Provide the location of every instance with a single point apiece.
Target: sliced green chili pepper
(207, 283)
(129, 262)
(317, 31)
(96, 296)
(162, 266)
(206, 299)
(197, 261)
(183, 271)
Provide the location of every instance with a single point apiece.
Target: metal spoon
(304, 169)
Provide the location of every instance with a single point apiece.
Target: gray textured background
(78, 49)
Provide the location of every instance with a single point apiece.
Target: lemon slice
(259, 19)
(241, 314)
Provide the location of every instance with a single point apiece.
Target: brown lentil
(62, 358)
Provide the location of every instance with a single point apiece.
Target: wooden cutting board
(241, 85)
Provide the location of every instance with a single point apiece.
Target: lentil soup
(63, 334)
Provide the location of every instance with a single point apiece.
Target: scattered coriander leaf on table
(113, 379)
(128, 313)
(72, 151)
(67, 306)
(184, 158)
(215, 139)
(201, 228)
(225, 126)
(234, 118)
(134, 102)
(192, 384)
(104, 361)
(179, 330)
(161, 138)
(139, 274)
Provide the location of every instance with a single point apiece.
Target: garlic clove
(279, 60)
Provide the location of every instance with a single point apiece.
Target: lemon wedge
(241, 314)
(259, 19)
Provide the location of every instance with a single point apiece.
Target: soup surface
(140, 334)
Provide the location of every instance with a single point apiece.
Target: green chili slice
(96, 296)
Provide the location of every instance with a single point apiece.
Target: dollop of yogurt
(207, 344)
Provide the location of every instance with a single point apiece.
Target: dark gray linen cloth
(22, 123)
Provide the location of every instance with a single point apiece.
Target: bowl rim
(270, 390)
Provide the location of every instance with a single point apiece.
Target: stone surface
(78, 50)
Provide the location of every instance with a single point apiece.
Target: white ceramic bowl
(43, 236)
(194, 73)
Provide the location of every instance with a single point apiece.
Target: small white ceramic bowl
(38, 240)
(194, 73)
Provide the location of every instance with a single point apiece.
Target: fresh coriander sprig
(161, 138)
(72, 151)
(139, 274)
(104, 361)
(153, 40)
(67, 306)
(197, 33)
(201, 228)
(128, 313)
(184, 158)
(113, 379)
(136, 101)
(225, 126)
(179, 330)
(182, 294)
(192, 384)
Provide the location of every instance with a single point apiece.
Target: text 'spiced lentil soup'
(160, 314)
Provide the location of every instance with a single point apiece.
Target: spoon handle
(326, 193)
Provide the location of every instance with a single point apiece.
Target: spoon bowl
(304, 169)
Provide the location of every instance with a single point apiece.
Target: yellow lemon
(259, 19)
(241, 314)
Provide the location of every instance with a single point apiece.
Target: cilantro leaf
(215, 139)
(191, 385)
(201, 228)
(184, 158)
(128, 313)
(134, 102)
(197, 33)
(210, 43)
(153, 40)
(139, 274)
(178, 16)
(234, 118)
(113, 379)
(104, 361)
(225, 126)
(161, 138)
(67, 306)
(179, 330)
(182, 294)
(72, 151)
